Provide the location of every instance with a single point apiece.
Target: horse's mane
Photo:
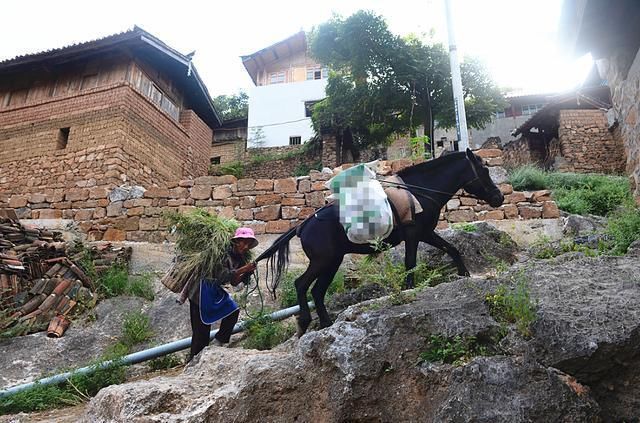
(432, 165)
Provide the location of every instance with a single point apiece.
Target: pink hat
(246, 233)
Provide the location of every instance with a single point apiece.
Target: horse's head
(481, 186)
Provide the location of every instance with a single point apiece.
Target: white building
(287, 82)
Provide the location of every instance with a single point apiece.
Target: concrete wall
(282, 107)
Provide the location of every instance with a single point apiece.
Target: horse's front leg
(410, 258)
(435, 240)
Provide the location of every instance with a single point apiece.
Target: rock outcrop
(579, 365)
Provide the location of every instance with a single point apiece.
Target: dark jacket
(224, 276)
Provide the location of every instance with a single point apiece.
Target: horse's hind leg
(319, 291)
(302, 286)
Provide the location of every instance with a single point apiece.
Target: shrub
(235, 168)
(623, 228)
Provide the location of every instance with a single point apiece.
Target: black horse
(325, 243)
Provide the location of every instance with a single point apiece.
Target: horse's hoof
(302, 327)
(325, 325)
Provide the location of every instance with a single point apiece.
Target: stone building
(126, 108)
(611, 33)
(570, 134)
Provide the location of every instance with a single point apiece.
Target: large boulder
(368, 366)
(481, 249)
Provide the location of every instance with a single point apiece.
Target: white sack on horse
(365, 212)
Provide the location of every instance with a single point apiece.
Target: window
(442, 141)
(276, 78)
(63, 138)
(157, 96)
(169, 107)
(500, 115)
(89, 81)
(317, 72)
(308, 108)
(215, 160)
(531, 109)
(295, 140)
(456, 147)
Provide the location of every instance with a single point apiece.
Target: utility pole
(456, 82)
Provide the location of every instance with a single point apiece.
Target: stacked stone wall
(622, 71)
(267, 205)
(587, 144)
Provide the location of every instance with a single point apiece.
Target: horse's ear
(470, 155)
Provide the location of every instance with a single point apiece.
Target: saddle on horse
(406, 205)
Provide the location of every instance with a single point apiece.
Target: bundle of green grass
(202, 241)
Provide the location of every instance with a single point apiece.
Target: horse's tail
(278, 259)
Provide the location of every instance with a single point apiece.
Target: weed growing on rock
(457, 350)
(264, 333)
(513, 306)
(136, 329)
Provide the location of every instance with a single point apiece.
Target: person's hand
(247, 268)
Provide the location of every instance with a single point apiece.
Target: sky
(516, 39)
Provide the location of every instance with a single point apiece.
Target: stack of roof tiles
(38, 281)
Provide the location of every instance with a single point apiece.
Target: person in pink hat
(210, 302)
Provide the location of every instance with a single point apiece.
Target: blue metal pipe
(140, 356)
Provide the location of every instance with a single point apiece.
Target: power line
(261, 126)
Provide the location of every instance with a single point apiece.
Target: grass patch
(381, 269)
(576, 193)
(74, 391)
(116, 281)
(136, 329)
(165, 362)
(513, 306)
(264, 333)
(464, 226)
(457, 350)
(623, 228)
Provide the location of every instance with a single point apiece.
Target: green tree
(381, 84)
(234, 106)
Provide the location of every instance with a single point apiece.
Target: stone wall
(266, 205)
(587, 145)
(115, 135)
(622, 71)
(523, 151)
